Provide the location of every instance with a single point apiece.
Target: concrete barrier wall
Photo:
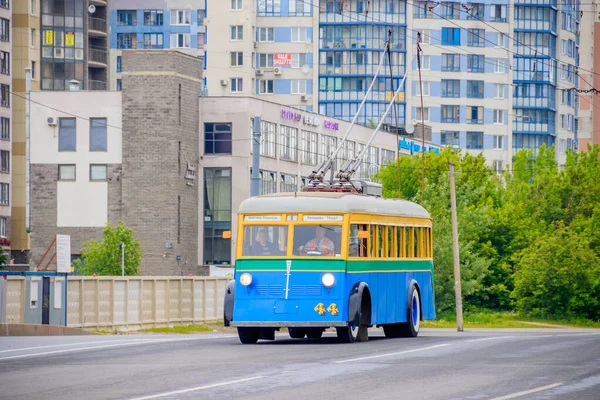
(130, 302)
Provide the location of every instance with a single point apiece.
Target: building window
(119, 63)
(4, 194)
(268, 183)
(265, 35)
(499, 117)
(5, 161)
(422, 9)
(153, 17)
(217, 216)
(5, 95)
(237, 85)
(3, 227)
(67, 136)
(451, 62)
(154, 41)
(4, 30)
(126, 40)
(126, 17)
(500, 65)
(300, 8)
(498, 166)
(98, 140)
(33, 70)
(237, 58)
(425, 63)
(475, 89)
(498, 142)
(498, 13)
(298, 86)
(5, 3)
(308, 147)
(181, 17)
(217, 138)
(499, 90)
(299, 35)
(288, 143)
(426, 88)
(237, 32)
(475, 140)
(475, 63)
(66, 172)
(451, 114)
(474, 115)
(5, 128)
(201, 16)
(267, 139)
(33, 37)
(502, 40)
(180, 40)
(450, 88)
(265, 60)
(98, 172)
(426, 36)
(476, 11)
(451, 36)
(5, 62)
(423, 116)
(265, 86)
(236, 4)
(288, 183)
(476, 37)
(298, 60)
(450, 138)
(119, 85)
(269, 8)
(451, 10)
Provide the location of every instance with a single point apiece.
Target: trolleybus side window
(359, 240)
(318, 240)
(399, 231)
(265, 241)
(416, 242)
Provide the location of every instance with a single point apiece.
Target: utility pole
(255, 178)
(419, 51)
(28, 78)
(122, 259)
(457, 286)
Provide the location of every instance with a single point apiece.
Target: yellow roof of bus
(301, 202)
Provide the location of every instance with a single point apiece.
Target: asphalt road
(439, 364)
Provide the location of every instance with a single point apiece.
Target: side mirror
(227, 235)
(363, 234)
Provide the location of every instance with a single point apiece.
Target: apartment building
(498, 75)
(6, 55)
(154, 25)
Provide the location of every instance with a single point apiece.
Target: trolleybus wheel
(410, 328)
(314, 333)
(296, 333)
(347, 334)
(248, 335)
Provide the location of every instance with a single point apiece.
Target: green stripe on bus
(357, 266)
(297, 265)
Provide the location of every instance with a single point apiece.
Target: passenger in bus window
(262, 246)
(320, 244)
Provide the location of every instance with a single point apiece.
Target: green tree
(104, 258)
(2, 258)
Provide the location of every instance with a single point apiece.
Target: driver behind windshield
(320, 243)
(262, 246)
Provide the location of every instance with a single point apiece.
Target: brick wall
(44, 179)
(160, 138)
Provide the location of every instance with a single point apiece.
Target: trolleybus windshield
(318, 240)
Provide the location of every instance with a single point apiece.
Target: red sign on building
(282, 59)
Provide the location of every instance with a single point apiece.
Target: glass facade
(350, 47)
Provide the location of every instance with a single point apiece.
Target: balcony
(97, 58)
(97, 27)
(98, 2)
(96, 85)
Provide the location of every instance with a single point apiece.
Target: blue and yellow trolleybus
(308, 261)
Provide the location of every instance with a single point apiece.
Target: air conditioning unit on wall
(52, 121)
(223, 82)
(277, 71)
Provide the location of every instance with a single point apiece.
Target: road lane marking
(437, 346)
(131, 342)
(526, 392)
(489, 338)
(70, 344)
(195, 389)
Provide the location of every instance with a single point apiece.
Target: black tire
(297, 333)
(393, 330)
(410, 328)
(248, 335)
(314, 333)
(347, 334)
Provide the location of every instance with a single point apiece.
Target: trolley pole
(457, 285)
(255, 178)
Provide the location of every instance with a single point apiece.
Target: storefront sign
(331, 125)
(293, 116)
(415, 148)
(311, 121)
(282, 59)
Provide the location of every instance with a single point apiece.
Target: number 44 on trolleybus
(309, 261)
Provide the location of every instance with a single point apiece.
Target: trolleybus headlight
(246, 279)
(328, 280)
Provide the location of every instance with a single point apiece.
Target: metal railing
(96, 85)
(99, 56)
(98, 24)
